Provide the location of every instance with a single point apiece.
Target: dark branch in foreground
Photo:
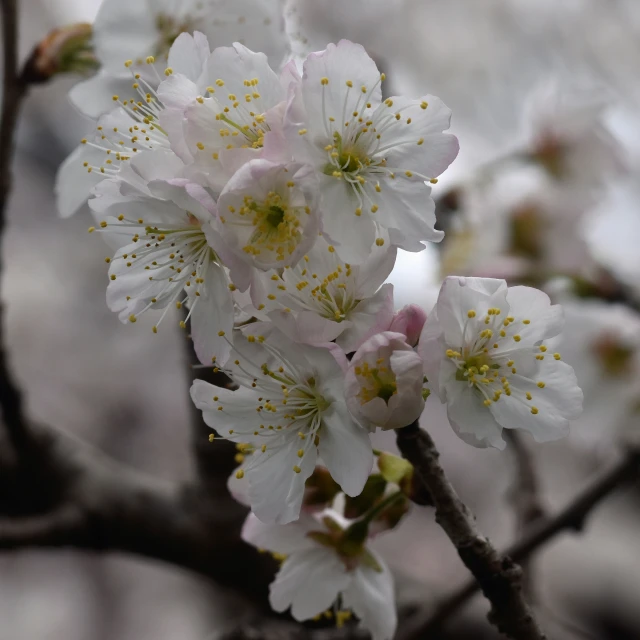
(13, 91)
(99, 505)
(571, 518)
(499, 577)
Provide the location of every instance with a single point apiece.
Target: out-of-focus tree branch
(525, 490)
(524, 495)
(571, 518)
(100, 505)
(498, 576)
(13, 92)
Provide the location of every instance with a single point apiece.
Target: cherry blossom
(322, 298)
(289, 409)
(131, 125)
(568, 134)
(317, 570)
(161, 226)
(268, 213)
(373, 157)
(484, 356)
(227, 117)
(125, 30)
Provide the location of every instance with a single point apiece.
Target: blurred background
(508, 212)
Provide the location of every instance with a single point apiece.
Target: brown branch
(102, 506)
(13, 92)
(524, 495)
(571, 518)
(525, 492)
(499, 577)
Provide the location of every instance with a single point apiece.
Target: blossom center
(274, 225)
(487, 359)
(376, 382)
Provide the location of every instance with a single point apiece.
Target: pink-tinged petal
(283, 220)
(187, 195)
(383, 385)
(410, 321)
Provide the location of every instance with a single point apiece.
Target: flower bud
(65, 50)
(384, 382)
(409, 320)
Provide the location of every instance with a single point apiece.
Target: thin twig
(524, 495)
(14, 90)
(499, 577)
(571, 518)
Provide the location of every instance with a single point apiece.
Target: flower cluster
(271, 204)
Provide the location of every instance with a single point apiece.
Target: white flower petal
(212, 312)
(372, 598)
(73, 182)
(346, 449)
(287, 539)
(309, 582)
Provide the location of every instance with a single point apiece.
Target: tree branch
(571, 518)
(499, 577)
(13, 92)
(524, 495)
(101, 506)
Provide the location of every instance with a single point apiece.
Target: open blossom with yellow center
(322, 298)
(134, 30)
(484, 356)
(223, 119)
(268, 213)
(128, 129)
(317, 575)
(373, 156)
(289, 409)
(162, 229)
(384, 382)
(133, 122)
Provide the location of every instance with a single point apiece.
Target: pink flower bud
(409, 320)
(383, 385)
